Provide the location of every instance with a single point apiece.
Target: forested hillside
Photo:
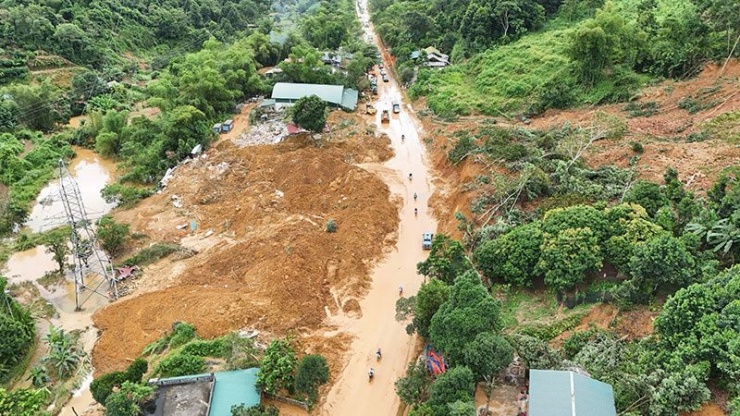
(568, 52)
(98, 33)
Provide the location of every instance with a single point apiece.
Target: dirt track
(268, 264)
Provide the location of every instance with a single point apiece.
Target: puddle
(92, 173)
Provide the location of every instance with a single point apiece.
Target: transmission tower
(93, 268)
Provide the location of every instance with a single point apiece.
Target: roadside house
(286, 93)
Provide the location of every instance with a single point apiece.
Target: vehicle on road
(396, 108)
(385, 78)
(385, 117)
(369, 109)
(426, 241)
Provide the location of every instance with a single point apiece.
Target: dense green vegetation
(17, 329)
(658, 240)
(525, 56)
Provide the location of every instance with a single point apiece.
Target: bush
(201, 348)
(151, 254)
(102, 386)
(312, 372)
(125, 196)
(113, 236)
(637, 147)
(182, 333)
(181, 365)
(331, 226)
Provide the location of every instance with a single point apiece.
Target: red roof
(293, 129)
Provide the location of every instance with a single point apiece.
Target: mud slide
(352, 393)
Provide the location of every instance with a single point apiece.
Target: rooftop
(333, 94)
(566, 393)
(233, 388)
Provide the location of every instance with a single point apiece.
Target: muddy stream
(352, 394)
(92, 173)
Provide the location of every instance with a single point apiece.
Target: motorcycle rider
(371, 373)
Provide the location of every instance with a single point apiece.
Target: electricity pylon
(93, 267)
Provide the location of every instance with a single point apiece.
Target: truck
(426, 241)
(385, 117)
(369, 109)
(396, 108)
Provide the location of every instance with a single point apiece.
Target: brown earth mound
(265, 260)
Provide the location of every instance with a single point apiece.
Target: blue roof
(566, 393)
(233, 388)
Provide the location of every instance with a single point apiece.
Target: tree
(430, 297)
(127, 400)
(446, 261)
(22, 402)
(113, 236)
(619, 249)
(414, 387)
(277, 367)
(56, 245)
(567, 256)
(537, 353)
(648, 195)
(558, 220)
(469, 311)
(312, 372)
(487, 355)
(17, 332)
(663, 259)
(513, 256)
(457, 384)
(310, 113)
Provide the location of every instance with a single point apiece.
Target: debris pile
(269, 132)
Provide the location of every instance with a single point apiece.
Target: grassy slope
(509, 78)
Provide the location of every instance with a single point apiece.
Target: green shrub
(181, 365)
(574, 343)
(331, 226)
(546, 332)
(637, 109)
(136, 370)
(151, 254)
(637, 147)
(181, 334)
(218, 347)
(125, 196)
(102, 386)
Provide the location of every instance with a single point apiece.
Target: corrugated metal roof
(289, 91)
(566, 393)
(333, 94)
(233, 388)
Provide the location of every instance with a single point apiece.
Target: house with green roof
(568, 393)
(336, 95)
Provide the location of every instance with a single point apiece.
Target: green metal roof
(333, 94)
(566, 393)
(233, 388)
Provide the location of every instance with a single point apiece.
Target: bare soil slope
(663, 135)
(264, 258)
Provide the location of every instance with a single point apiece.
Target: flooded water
(352, 394)
(92, 173)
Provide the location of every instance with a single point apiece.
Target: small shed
(233, 388)
(567, 393)
(415, 55)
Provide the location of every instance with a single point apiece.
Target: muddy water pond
(91, 173)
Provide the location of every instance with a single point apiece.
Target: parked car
(385, 78)
(426, 241)
(396, 108)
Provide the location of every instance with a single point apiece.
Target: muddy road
(353, 394)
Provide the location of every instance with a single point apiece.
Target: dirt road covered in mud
(353, 393)
(264, 259)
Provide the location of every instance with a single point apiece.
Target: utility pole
(93, 267)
